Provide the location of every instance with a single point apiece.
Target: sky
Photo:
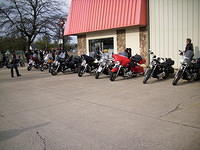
(66, 4)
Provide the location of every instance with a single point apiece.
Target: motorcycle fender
(115, 70)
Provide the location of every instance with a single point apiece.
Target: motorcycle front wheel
(97, 75)
(147, 75)
(177, 77)
(53, 72)
(113, 76)
(29, 68)
(80, 72)
(41, 68)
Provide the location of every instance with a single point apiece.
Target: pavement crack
(43, 140)
(182, 124)
(172, 110)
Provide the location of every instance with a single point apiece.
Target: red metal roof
(94, 15)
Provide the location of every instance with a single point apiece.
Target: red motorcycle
(127, 67)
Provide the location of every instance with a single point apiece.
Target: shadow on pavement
(127, 78)
(155, 81)
(185, 82)
(8, 134)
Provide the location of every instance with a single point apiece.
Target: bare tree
(30, 18)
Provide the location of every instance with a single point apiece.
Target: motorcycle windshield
(124, 61)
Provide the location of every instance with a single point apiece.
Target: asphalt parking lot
(64, 112)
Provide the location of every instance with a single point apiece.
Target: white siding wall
(133, 40)
(102, 34)
(171, 22)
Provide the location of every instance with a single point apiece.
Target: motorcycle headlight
(101, 60)
(153, 63)
(117, 62)
(185, 60)
(182, 61)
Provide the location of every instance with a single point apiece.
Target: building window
(105, 44)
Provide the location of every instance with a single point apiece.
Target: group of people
(38, 56)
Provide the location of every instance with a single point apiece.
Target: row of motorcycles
(161, 68)
(60, 64)
(118, 65)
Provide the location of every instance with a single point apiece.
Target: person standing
(14, 64)
(189, 45)
(41, 56)
(126, 52)
(189, 51)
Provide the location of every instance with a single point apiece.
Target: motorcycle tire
(97, 75)
(177, 77)
(166, 76)
(29, 68)
(147, 75)
(42, 68)
(53, 72)
(113, 76)
(80, 71)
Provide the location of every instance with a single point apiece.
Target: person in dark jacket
(189, 45)
(126, 52)
(41, 55)
(189, 51)
(14, 64)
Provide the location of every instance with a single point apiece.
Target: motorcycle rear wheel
(80, 72)
(147, 75)
(177, 77)
(166, 76)
(113, 76)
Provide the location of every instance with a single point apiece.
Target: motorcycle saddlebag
(137, 58)
(169, 62)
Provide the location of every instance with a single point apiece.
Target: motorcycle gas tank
(124, 61)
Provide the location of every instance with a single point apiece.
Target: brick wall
(121, 40)
(82, 44)
(144, 43)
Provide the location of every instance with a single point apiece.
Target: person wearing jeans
(14, 65)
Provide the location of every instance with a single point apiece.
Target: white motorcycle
(105, 65)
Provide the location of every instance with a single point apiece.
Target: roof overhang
(96, 15)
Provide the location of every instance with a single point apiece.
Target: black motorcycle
(34, 64)
(190, 68)
(59, 65)
(88, 65)
(161, 68)
(73, 63)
